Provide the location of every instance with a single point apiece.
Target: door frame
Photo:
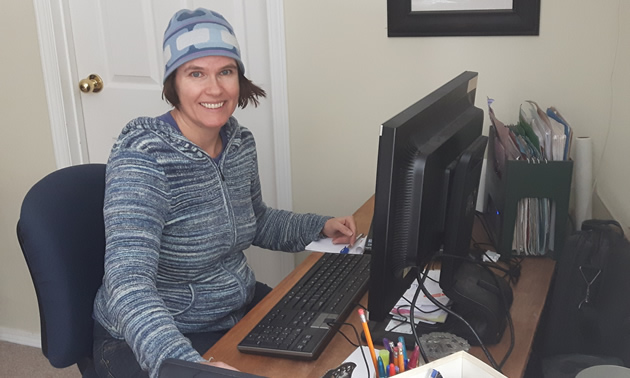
(64, 103)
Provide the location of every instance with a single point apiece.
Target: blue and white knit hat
(195, 34)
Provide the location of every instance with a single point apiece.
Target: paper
(425, 311)
(360, 369)
(326, 245)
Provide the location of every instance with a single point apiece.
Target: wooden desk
(529, 298)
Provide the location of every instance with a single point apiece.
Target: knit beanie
(195, 34)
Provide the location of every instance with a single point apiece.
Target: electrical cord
(356, 333)
(412, 313)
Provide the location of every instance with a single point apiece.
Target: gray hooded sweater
(176, 225)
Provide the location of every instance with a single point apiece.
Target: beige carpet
(20, 361)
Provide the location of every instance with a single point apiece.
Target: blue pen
(435, 374)
(381, 368)
(404, 347)
(346, 249)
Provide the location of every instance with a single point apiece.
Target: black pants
(113, 358)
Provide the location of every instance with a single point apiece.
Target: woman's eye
(195, 74)
(226, 72)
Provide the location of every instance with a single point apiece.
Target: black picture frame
(522, 19)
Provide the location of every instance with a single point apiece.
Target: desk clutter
(426, 311)
(457, 365)
(529, 181)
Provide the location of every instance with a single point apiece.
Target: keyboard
(297, 326)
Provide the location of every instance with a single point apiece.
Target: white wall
(26, 155)
(346, 78)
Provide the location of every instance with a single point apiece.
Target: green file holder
(523, 179)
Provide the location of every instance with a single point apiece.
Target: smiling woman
(183, 200)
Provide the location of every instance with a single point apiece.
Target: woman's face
(208, 90)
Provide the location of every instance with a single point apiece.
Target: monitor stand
(481, 299)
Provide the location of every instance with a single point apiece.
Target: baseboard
(17, 336)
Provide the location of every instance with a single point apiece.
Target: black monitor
(428, 172)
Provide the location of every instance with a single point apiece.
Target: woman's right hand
(219, 364)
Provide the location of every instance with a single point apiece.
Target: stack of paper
(425, 311)
(538, 137)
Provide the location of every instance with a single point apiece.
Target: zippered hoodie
(176, 225)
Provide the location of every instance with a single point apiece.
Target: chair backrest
(62, 236)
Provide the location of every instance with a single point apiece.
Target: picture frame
(522, 19)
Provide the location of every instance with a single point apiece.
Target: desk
(529, 298)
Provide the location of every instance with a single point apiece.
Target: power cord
(337, 327)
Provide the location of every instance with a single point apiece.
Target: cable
(513, 271)
(356, 333)
(411, 313)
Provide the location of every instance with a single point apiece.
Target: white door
(121, 41)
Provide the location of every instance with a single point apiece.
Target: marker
(392, 370)
(435, 374)
(386, 344)
(381, 368)
(413, 361)
(368, 337)
(384, 355)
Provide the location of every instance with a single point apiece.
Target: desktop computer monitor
(428, 172)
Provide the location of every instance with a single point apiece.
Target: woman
(182, 202)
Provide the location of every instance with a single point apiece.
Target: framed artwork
(416, 18)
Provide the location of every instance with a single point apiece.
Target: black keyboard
(297, 326)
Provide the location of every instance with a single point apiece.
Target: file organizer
(523, 179)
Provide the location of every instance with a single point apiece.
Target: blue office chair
(62, 236)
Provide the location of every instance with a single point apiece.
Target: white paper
(425, 311)
(326, 245)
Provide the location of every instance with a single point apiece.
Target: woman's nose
(213, 86)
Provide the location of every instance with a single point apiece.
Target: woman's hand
(342, 230)
(219, 364)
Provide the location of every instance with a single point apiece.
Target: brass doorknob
(92, 83)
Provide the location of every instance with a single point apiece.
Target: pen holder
(524, 179)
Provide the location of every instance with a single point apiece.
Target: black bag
(589, 308)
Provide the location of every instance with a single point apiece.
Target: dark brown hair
(248, 91)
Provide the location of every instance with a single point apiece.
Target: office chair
(62, 236)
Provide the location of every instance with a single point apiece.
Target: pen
(404, 347)
(392, 370)
(368, 337)
(435, 374)
(381, 368)
(346, 249)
